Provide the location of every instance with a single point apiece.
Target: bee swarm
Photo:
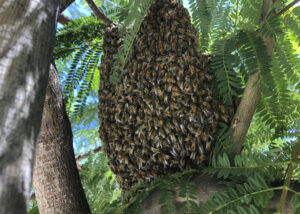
(161, 118)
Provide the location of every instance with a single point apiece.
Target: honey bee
(173, 45)
(222, 108)
(208, 77)
(187, 90)
(206, 112)
(173, 152)
(166, 99)
(175, 94)
(173, 138)
(188, 138)
(208, 146)
(198, 133)
(160, 123)
(200, 148)
(194, 108)
(225, 118)
(206, 105)
(193, 155)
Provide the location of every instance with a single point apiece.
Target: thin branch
(98, 13)
(63, 19)
(83, 156)
(287, 7)
(289, 176)
(65, 5)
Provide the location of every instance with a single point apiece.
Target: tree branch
(206, 186)
(98, 13)
(83, 156)
(287, 181)
(63, 19)
(245, 111)
(287, 7)
(65, 5)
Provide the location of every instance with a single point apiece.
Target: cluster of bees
(161, 118)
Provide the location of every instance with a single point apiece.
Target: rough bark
(56, 180)
(206, 187)
(27, 32)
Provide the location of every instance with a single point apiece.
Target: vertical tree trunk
(27, 32)
(55, 179)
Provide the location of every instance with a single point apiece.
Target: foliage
(98, 182)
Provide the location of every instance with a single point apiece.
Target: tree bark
(206, 186)
(56, 180)
(27, 32)
(63, 19)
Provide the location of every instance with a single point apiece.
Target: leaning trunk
(56, 180)
(26, 43)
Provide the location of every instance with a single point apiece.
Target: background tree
(26, 44)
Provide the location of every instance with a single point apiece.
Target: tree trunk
(27, 32)
(55, 179)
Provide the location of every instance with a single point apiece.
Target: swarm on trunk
(161, 118)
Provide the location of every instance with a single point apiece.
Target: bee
(194, 99)
(222, 108)
(147, 111)
(205, 137)
(175, 94)
(194, 108)
(188, 138)
(208, 77)
(173, 152)
(193, 155)
(208, 146)
(174, 106)
(168, 87)
(173, 28)
(200, 149)
(167, 112)
(206, 105)
(160, 123)
(225, 118)
(198, 133)
(173, 138)
(206, 112)
(171, 58)
(187, 90)
(173, 45)
(217, 116)
(166, 99)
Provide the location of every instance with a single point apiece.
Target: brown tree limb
(287, 7)
(287, 181)
(98, 13)
(63, 19)
(245, 111)
(85, 155)
(65, 4)
(206, 186)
